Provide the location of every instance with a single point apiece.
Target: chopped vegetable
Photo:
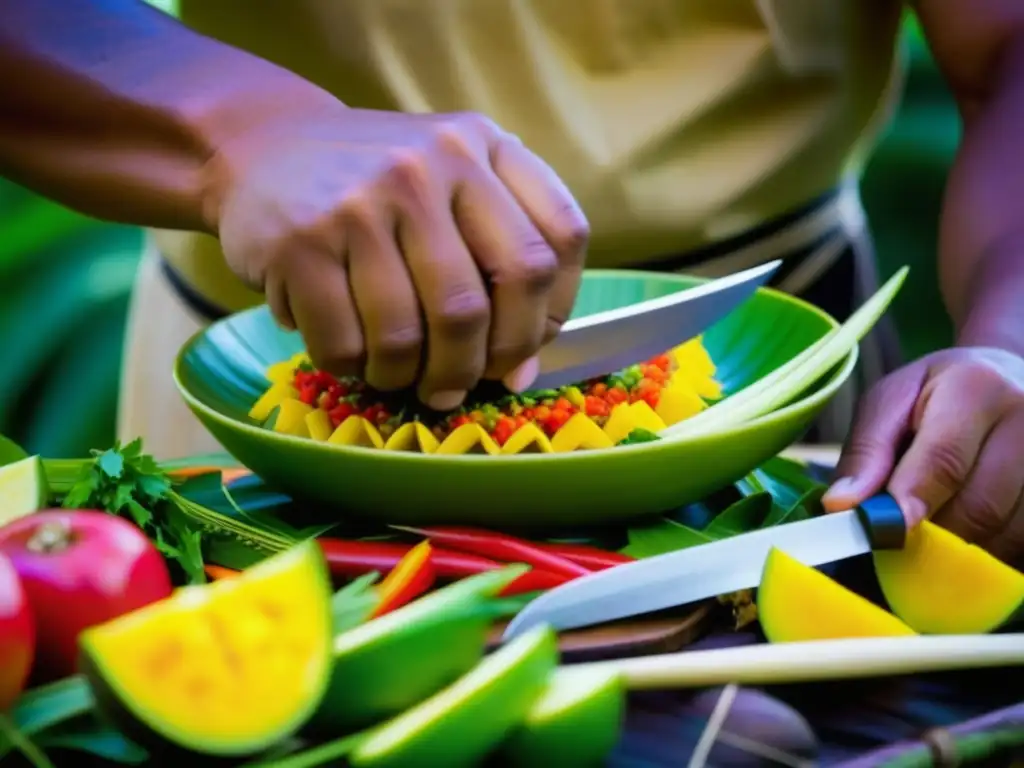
(630, 406)
(505, 548)
(348, 559)
(413, 576)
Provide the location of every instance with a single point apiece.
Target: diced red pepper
(499, 546)
(413, 576)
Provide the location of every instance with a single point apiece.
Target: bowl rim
(833, 383)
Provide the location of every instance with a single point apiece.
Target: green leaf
(47, 706)
(87, 734)
(750, 485)
(661, 537)
(330, 753)
(745, 515)
(111, 463)
(639, 435)
(806, 507)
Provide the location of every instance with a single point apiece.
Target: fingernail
(447, 400)
(841, 488)
(523, 376)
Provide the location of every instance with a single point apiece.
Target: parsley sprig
(123, 480)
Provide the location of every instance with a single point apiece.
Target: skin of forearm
(115, 109)
(981, 248)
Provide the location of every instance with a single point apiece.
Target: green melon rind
(391, 663)
(468, 720)
(164, 738)
(576, 722)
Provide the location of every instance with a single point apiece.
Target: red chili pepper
(413, 576)
(500, 546)
(589, 557)
(348, 559)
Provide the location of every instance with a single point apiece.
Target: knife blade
(711, 569)
(608, 341)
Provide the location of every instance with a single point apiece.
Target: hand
(960, 412)
(407, 249)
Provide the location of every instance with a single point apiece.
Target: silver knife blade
(605, 342)
(691, 574)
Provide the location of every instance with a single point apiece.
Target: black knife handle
(883, 519)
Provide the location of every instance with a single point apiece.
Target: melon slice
(226, 669)
(940, 584)
(796, 602)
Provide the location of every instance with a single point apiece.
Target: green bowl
(220, 373)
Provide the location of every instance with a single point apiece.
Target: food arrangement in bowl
(625, 407)
(748, 387)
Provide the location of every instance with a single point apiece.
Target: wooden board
(660, 633)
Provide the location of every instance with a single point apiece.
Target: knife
(608, 341)
(715, 568)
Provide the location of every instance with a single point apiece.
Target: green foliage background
(65, 279)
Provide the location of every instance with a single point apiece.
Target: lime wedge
(463, 723)
(577, 722)
(22, 489)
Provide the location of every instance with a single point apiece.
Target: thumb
(883, 419)
(947, 443)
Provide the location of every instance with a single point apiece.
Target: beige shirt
(674, 122)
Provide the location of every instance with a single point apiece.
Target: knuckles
(462, 313)
(947, 465)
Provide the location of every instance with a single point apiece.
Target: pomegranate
(80, 568)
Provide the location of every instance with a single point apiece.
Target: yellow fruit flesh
(216, 664)
(940, 584)
(796, 602)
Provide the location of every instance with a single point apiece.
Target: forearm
(981, 250)
(115, 109)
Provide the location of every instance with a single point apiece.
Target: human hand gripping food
(960, 414)
(408, 249)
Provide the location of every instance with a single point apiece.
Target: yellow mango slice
(357, 431)
(291, 419)
(469, 438)
(300, 358)
(319, 424)
(620, 423)
(281, 373)
(270, 399)
(529, 438)
(678, 403)
(645, 417)
(796, 602)
(699, 383)
(579, 433)
(939, 584)
(412, 437)
(693, 357)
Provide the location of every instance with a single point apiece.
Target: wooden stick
(817, 660)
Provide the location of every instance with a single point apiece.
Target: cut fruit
(576, 722)
(796, 602)
(226, 669)
(445, 633)
(23, 489)
(467, 720)
(940, 584)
